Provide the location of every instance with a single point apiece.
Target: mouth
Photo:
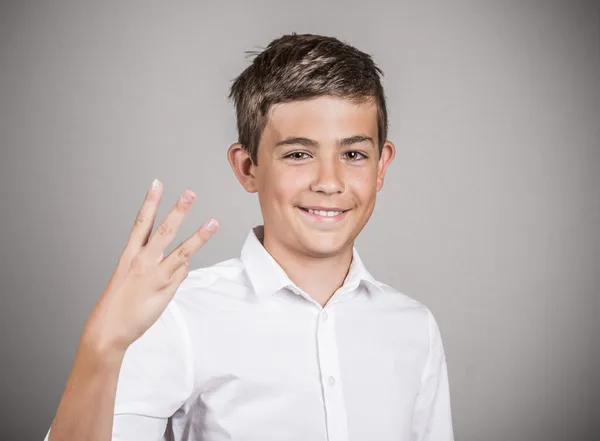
(324, 216)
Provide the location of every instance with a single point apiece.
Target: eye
(296, 156)
(354, 155)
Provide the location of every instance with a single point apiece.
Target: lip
(323, 219)
(317, 207)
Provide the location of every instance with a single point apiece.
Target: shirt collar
(267, 276)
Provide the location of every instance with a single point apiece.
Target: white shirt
(241, 353)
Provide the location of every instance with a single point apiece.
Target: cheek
(285, 187)
(364, 186)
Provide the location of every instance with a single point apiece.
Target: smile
(323, 216)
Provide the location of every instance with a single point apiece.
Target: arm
(86, 409)
(432, 419)
(128, 349)
(128, 396)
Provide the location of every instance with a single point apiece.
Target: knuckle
(158, 277)
(163, 279)
(164, 229)
(139, 220)
(138, 264)
(183, 253)
(181, 206)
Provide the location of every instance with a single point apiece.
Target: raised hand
(145, 281)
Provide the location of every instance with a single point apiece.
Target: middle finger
(167, 229)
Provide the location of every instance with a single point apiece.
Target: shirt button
(331, 380)
(325, 316)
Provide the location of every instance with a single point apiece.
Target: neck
(319, 277)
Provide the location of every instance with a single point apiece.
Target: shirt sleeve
(432, 420)
(156, 378)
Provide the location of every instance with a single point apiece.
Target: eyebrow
(294, 140)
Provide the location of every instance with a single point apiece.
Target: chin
(318, 237)
(324, 244)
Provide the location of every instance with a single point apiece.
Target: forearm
(86, 410)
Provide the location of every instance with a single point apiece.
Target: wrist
(101, 349)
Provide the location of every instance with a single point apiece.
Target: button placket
(335, 410)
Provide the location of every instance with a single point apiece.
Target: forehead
(321, 117)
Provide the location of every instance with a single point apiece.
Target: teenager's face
(319, 153)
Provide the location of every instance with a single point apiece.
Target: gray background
(489, 214)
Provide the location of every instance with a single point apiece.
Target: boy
(293, 340)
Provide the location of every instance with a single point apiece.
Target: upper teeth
(324, 213)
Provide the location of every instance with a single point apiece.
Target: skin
(138, 292)
(317, 259)
(320, 172)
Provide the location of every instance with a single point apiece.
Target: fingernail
(211, 225)
(155, 184)
(188, 196)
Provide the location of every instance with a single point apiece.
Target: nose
(329, 178)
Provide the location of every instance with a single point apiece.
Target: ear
(242, 166)
(388, 151)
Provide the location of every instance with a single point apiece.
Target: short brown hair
(303, 66)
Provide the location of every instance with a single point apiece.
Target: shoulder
(406, 308)
(396, 299)
(228, 270)
(211, 287)
(427, 320)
